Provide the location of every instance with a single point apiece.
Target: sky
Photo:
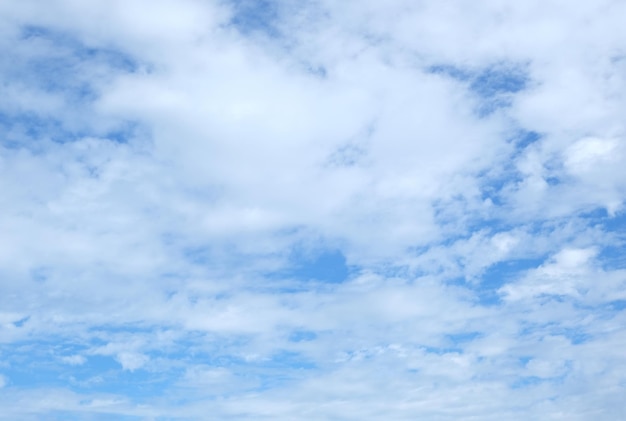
(312, 210)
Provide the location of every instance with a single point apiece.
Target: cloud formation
(312, 210)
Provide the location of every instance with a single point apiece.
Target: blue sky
(315, 210)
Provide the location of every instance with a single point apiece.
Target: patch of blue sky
(19, 129)
(21, 322)
(34, 375)
(495, 182)
(205, 255)
(603, 310)
(522, 138)
(326, 265)
(57, 64)
(575, 335)
(497, 275)
(139, 384)
(495, 185)
(302, 336)
(97, 373)
(492, 85)
(497, 80)
(36, 369)
(490, 81)
(79, 51)
(454, 219)
(617, 305)
(28, 129)
(614, 223)
(22, 350)
(256, 16)
(611, 256)
(123, 132)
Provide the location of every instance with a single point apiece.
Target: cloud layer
(312, 210)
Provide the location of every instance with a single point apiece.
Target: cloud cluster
(312, 210)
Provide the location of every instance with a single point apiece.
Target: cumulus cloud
(312, 210)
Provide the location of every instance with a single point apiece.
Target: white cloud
(74, 359)
(162, 170)
(131, 361)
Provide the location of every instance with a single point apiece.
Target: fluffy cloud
(312, 210)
